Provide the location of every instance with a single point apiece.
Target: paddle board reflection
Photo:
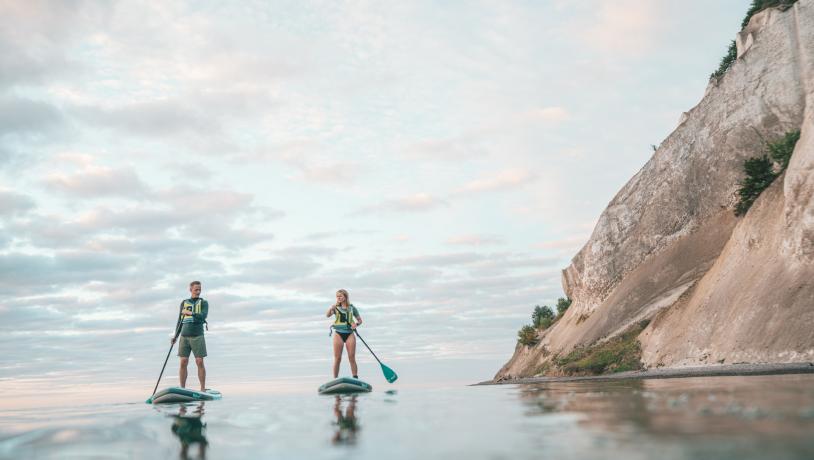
(189, 429)
(346, 424)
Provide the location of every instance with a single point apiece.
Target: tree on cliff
(542, 317)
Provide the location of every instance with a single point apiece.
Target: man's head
(195, 289)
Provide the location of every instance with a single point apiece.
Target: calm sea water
(714, 417)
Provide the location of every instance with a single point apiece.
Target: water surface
(707, 417)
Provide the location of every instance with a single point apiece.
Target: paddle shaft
(168, 356)
(368, 347)
(163, 367)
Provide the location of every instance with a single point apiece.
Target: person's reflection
(190, 430)
(346, 424)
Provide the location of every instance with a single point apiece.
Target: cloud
(503, 180)
(12, 203)
(548, 114)
(99, 181)
(54, 27)
(624, 28)
(475, 240)
(28, 274)
(418, 202)
(448, 149)
(160, 118)
(27, 117)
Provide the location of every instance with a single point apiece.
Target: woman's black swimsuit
(344, 335)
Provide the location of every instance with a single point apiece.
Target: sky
(442, 161)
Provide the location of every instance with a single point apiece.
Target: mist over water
(705, 417)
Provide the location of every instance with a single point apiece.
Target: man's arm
(178, 323)
(201, 317)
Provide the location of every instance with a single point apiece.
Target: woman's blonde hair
(346, 303)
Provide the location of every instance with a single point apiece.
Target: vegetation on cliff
(763, 170)
(619, 354)
(732, 53)
(542, 318)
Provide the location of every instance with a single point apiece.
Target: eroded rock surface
(668, 247)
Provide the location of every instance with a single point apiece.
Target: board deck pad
(178, 394)
(345, 385)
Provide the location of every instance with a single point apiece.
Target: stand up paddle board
(344, 385)
(177, 394)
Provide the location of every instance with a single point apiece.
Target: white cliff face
(668, 247)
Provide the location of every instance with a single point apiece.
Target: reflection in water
(190, 429)
(753, 415)
(346, 423)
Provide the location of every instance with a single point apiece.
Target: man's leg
(182, 372)
(201, 372)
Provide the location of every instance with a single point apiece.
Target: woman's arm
(358, 322)
(330, 311)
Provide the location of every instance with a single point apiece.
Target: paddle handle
(366, 345)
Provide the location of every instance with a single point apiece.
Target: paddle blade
(389, 374)
(149, 400)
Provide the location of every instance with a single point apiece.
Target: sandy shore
(675, 372)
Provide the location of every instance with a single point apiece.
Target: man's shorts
(194, 343)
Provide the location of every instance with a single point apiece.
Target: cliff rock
(717, 289)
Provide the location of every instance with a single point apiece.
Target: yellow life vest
(194, 307)
(344, 318)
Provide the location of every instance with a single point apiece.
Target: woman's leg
(350, 344)
(337, 353)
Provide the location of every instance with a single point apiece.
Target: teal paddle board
(179, 395)
(345, 385)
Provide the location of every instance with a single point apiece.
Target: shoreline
(672, 373)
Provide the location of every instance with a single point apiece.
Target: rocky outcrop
(668, 247)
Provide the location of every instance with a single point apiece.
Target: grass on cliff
(763, 170)
(732, 52)
(622, 353)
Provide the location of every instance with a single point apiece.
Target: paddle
(150, 399)
(172, 344)
(389, 374)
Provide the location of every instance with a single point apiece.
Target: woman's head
(342, 297)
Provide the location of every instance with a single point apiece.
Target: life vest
(344, 319)
(194, 307)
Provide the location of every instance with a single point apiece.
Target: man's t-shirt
(194, 324)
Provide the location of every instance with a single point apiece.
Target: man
(191, 320)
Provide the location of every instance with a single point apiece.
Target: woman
(346, 319)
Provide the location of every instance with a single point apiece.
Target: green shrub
(762, 171)
(760, 5)
(527, 335)
(726, 61)
(780, 150)
(732, 52)
(562, 305)
(542, 316)
(759, 176)
(622, 353)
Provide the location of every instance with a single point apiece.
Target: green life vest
(194, 307)
(344, 319)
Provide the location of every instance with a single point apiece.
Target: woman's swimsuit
(344, 335)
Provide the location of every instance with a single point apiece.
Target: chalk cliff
(668, 248)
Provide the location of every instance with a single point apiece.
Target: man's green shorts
(194, 343)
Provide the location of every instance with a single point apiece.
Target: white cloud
(418, 202)
(98, 182)
(503, 180)
(475, 240)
